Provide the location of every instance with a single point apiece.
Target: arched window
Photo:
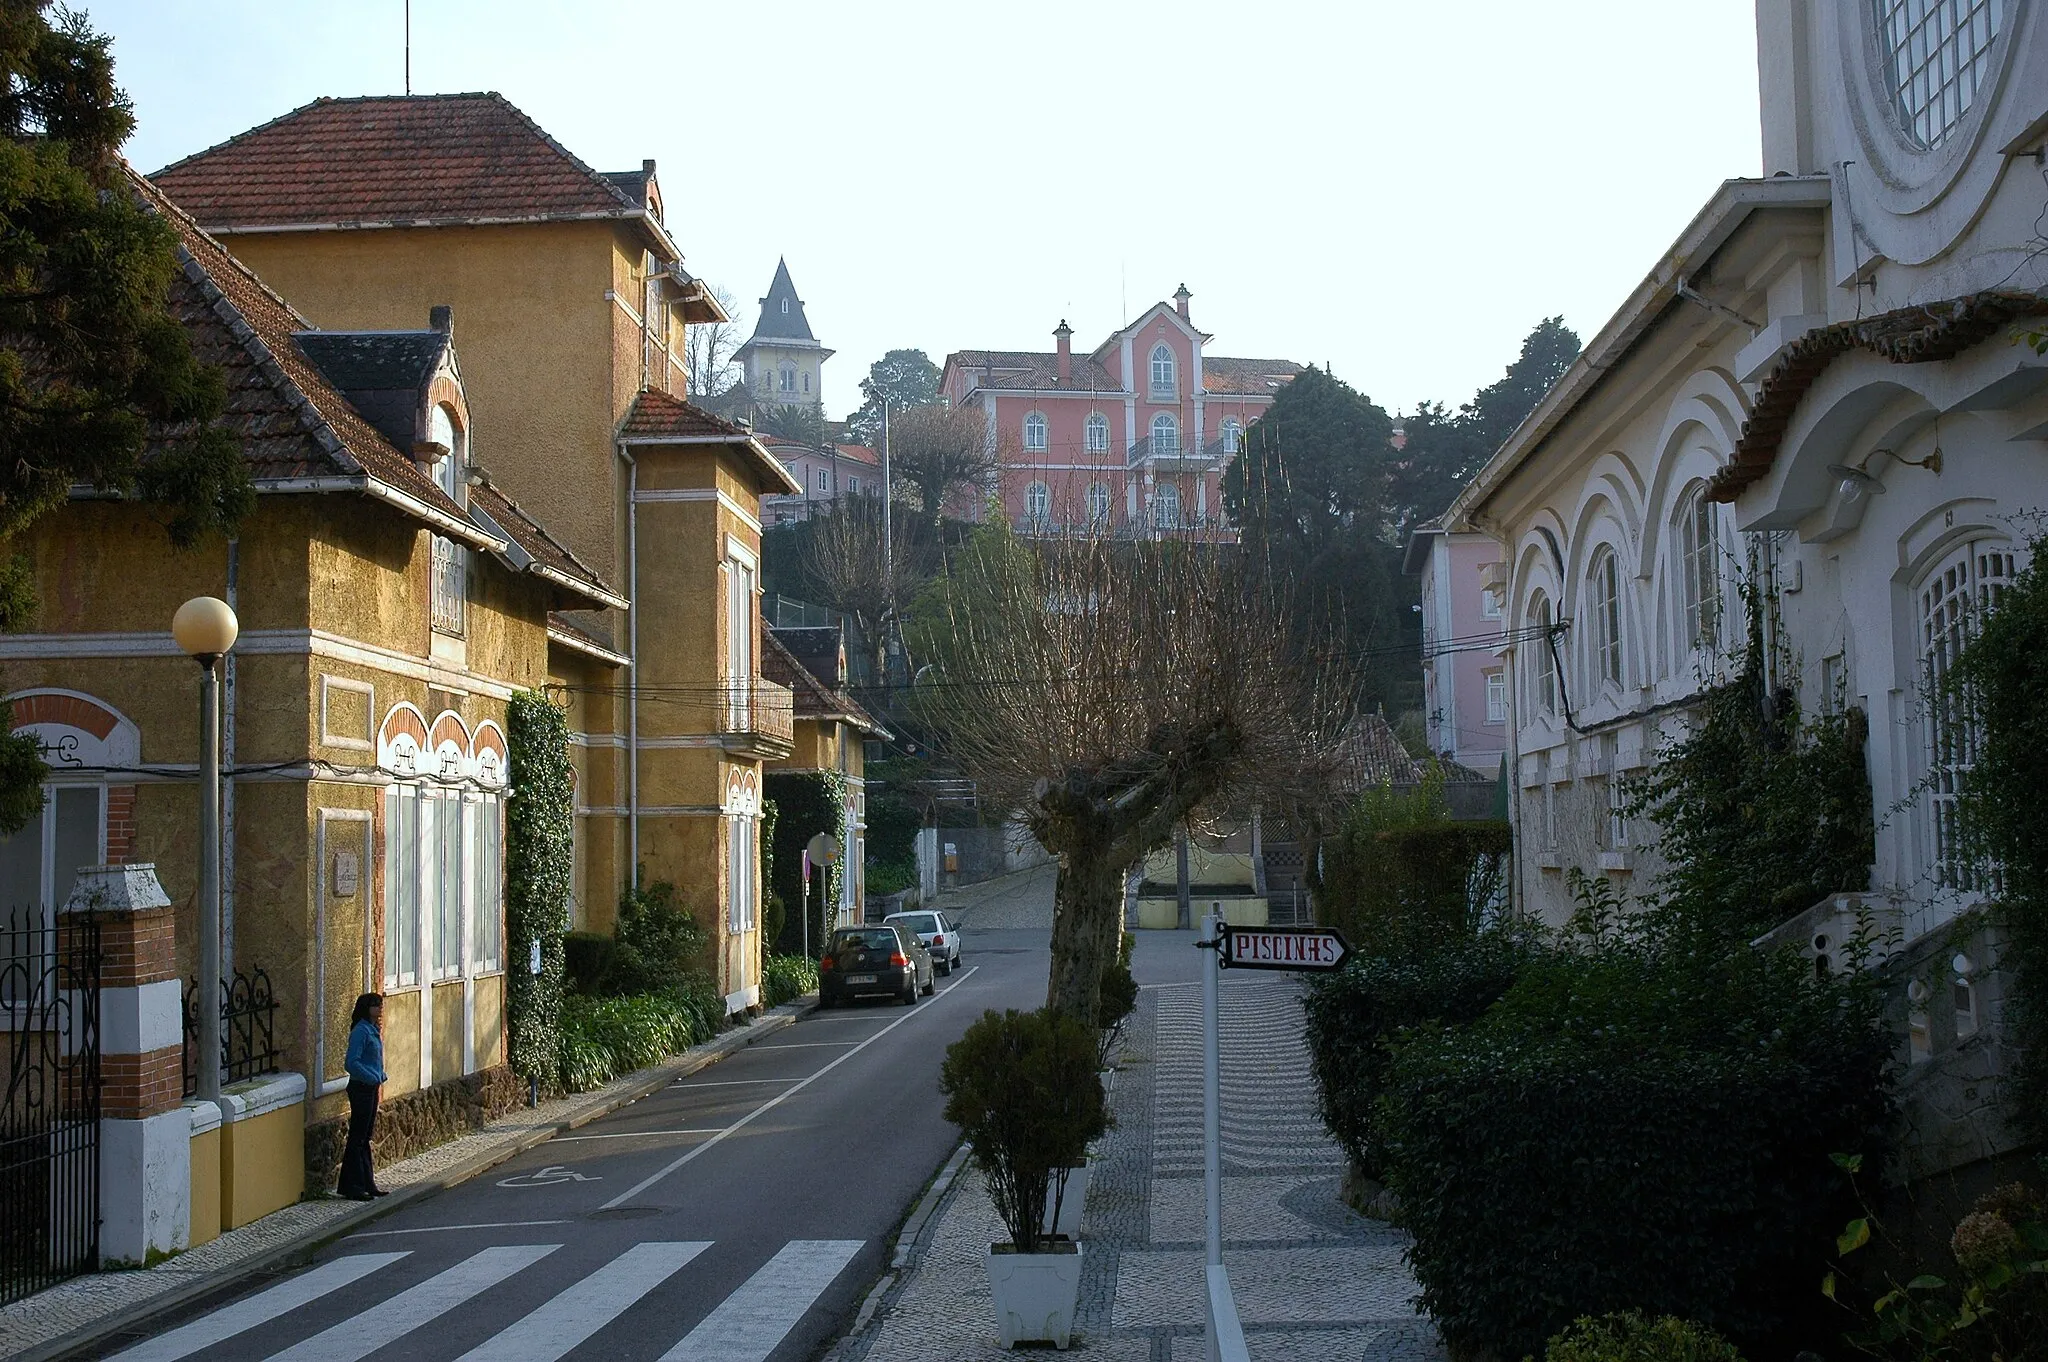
(1699, 567)
(1603, 606)
(1543, 668)
(1935, 55)
(1037, 501)
(785, 307)
(443, 430)
(1034, 431)
(1166, 507)
(1165, 434)
(1952, 602)
(1098, 433)
(789, 378)
(807, 382)
(1162, 370)
(1233, 435)
(1098, 503)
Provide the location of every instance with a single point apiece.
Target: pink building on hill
(827, 473)
(1129, 439)
(1464, 676)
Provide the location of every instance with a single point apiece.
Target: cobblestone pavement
(1313, 1280)
(51, 1315)
(1021, 900)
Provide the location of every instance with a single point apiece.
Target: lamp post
(206, 628)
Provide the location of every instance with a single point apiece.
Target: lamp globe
(205, 626)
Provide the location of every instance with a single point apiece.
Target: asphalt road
(739, 1215)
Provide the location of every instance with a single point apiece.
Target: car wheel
(945, 966)
(910, 991)
(931, 984)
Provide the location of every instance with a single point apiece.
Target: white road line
(570, 1318)
(260, 1308)
(637, 1188)
(730, 1082)
(364, 1333)
(437, 1229)
(634, 1135)
(748, 1324)
(806, 1045)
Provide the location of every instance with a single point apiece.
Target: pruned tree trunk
(1088, 907)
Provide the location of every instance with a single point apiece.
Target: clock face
(1934, 54)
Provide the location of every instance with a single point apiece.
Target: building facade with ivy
(1799, 459)
(831, 734)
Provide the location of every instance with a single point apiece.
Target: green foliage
(93, 367)
(1631, 1337)
(1638, 1124)
(890, 877)
(1355, 1015)
(1760, 815)
(1023, 1088)
(787, 976)
(806, 804)
(603, 1038)
(539, 867)
(657, 945)
(586, 961)
(2001, 680)
(1990, 1305)
(905, 378)
(1118, 998)
(893, 822)
(1400, 877)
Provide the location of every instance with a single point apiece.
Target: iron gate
(50, 1123)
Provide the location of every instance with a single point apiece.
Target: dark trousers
(358, 1175)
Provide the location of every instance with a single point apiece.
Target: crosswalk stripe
(260, 1308)
(364, 1333)
(570, 1318)
(748, 1324)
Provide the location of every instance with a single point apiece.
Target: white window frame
(1035, 437)
(448, 587)
(1603, 584)
(1038, 501)
(742, 575)
(1543, 676)
(743, 851)
(1489, 603)
(1167, 422)
(404, 861)
(1163, 370)
(1095, 438)
(1952, 596)
(1166, 509)
(1496, 697)
(1699, 569)
(45, 826)
(1232, 433)
(1098, 503)
(1932, 61)
(786, 378)
(483, 821)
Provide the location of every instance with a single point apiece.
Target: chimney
(1180, 301)
(441, 317)
(1065, 336)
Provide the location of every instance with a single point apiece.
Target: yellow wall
(401, 1043)
(206, 1199)
(262, 1164)
(490, 1021)
(447, 1030)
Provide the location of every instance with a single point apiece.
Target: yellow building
(392, 600)
(574, 301)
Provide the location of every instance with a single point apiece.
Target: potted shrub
(1022, 1087)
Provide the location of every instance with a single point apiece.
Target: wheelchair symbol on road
(548, 1177)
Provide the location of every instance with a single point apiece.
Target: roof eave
(589, 591)
(1716, 222)
(590, 648)
(764, 461)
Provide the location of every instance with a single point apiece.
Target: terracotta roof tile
(1034, 369)
(540, 546)
(1252, 376)
(814, 699)
(656, 414)
(392, 159)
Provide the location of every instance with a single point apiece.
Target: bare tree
(852, 572)
(937, 449)
(1109, 691)
(709, 348)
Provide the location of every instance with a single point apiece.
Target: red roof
(391, 160)
(659, 415)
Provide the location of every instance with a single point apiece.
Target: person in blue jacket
(365, 1065)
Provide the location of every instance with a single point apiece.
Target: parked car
(879, 961)
(939, 934)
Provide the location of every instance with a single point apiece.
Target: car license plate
(860, 978)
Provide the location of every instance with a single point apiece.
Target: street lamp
(206, 628)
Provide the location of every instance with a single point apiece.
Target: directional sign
(1292, 948)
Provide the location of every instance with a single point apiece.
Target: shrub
(1636, 1128)
(1401, 875)
(587, 959)
(890, 877)
(1631, 1337)
(1353, 1014)
(603, 1038)
(787, 976)
(1119, 997)
(658, 944)
(539, 867)
(1023, 1088)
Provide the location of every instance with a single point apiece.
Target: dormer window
(785, 307)
(449, 587)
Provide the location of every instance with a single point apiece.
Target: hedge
(1400, 877)
(787, 976)
(539, 870)
(1637, 1130)
(603, 1038)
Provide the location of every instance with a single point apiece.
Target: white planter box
(1072, 1202)
(1034, 1295)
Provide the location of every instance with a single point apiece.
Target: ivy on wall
(806, 804)
(539, 868)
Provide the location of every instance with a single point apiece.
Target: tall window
(1699, 567)
(448, 563)
(1166, 507)
(1098, 503)
(1165, 434)
(1233, 435)
(788, 373)
(1604, 602)
(441, 830)
(1544, 671)
(402, 898)
(824, 481)
(1496, 697)
(1952, 601)
(443, 884)
(1037, 501)
(1489, 604)
(1162, 372)
(1034, 431)
(739, 642)
(743, 849)
(39, 866)
(1097, 433)
(487, 880)
(1936, 53)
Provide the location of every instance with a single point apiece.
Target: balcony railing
(759, 715)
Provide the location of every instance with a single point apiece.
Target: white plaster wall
(145, 1187)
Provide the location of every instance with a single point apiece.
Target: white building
(782, 361)
(1843, 327)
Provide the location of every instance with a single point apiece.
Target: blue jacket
(365, 1062)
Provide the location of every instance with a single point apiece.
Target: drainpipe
(633, 652)
(227, 796)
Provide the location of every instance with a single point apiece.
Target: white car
(938, 934)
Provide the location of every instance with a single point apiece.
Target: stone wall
(415, 1121)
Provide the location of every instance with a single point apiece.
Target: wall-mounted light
(1867, 482)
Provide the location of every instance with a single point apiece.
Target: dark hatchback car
(879, 961)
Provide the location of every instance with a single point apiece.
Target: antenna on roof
(408, 47)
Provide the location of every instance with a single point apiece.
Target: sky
(1400, 191)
